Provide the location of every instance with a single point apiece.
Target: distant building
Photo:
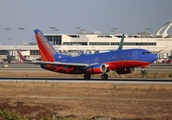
(97, 41)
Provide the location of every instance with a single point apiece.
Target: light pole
(8, 51)
(22, 29)
(53, 28)
(56, 30)
(8, 29)
(77, 28)
(82, 30)
(113, 31)
(148, 34)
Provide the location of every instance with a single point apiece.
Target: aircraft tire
(87, 76)
(104, 76)
(142, 71)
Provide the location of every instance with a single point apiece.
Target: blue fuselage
(114, 60)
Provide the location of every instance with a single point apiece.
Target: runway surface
(33, 67)
(36, 68)
(81, 80)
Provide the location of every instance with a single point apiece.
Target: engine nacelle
(126, 70)
(95, 69)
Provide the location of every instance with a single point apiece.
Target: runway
(81, 80)
(36, 68)
(33, 67)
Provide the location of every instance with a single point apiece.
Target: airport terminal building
(91, 43)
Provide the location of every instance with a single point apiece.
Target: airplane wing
(61, 63)
(82, 65)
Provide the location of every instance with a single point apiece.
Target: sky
(128, 16)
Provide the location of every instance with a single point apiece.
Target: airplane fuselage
(114, 60)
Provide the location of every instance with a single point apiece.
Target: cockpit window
(146, 52)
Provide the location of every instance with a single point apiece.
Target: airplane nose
(155, 57)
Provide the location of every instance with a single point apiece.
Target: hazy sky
(129, 16)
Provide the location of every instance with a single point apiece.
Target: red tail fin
(21, 56)
(47, 52)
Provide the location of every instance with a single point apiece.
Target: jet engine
(99, 68)
(126, 70)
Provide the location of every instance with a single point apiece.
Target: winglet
(21, 56)
(121, 43)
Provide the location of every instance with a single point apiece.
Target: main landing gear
(87, 76)
(142, 71)
(104, 76)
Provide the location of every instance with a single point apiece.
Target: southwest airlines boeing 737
(121, 61)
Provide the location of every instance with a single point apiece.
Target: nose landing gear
(142, 71)
(104, 76)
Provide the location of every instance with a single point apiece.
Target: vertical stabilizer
(21, 56)
(47, 51)
(120, 47)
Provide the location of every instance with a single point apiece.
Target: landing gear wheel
(104, 76)
(87, 76)
(142, 71)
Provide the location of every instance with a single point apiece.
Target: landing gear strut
(87, 76)
(142, 71)
(104, 76)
